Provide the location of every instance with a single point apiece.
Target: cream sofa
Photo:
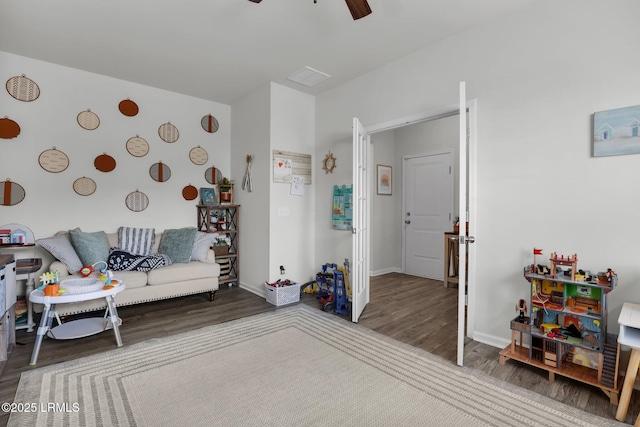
(175, 280)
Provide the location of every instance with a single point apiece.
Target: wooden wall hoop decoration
(11, 193)
(8, 128)
(88, 120)
(53, 160)
(198, 155)
(23, 88)
(168, 132)
(137, 146)
(84, 186)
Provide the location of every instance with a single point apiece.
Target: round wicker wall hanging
(137, 201)
(53, 160)
(198, 155)
(23, 88)
(168, 132)
(189, 192)
(128, 107)
(160, 172)
(88, 120)
(210, 124)
(105, 163)
(137, 147)
(212, 175)
(11, 193)
(8, 128)
(84, 186)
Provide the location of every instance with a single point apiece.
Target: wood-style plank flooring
(419, 312)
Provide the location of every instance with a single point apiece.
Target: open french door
(466, 205)
(359, 274)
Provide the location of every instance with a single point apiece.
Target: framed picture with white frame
(385, 183)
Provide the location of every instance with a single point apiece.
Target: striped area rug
(296, 366)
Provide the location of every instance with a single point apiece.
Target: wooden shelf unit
(560, 300)
(225, 220)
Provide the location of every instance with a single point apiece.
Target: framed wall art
(208, 196)
(616, 131)
(384, 181)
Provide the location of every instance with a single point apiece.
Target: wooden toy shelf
(566, 331)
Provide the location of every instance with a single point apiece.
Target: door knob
(406, 221)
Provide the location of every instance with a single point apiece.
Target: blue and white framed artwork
(616, 132)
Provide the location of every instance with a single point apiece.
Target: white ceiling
(222, 50)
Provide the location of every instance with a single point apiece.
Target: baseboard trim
(491, 340)
(254, 289)
(385, 271)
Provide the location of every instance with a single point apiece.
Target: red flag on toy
(537, 251)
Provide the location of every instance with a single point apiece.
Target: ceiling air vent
(308, 76)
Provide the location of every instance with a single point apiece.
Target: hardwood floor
(419, 312)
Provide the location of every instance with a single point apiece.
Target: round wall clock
(168, 132)
(84, 186)
(105, 163)
(198, 155)
(8, 128)
(11, 193)
(53, 160)
(210, 124)
(23, 88)
(88, 120)
(329, 163)
(137, 147)
(189, 192)
(212, 175)
(128, 107)
(137, 201)
(160, 172)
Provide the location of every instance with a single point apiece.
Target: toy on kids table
(521, 306)
(88, 269)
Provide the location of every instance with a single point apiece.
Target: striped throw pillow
(136, 241)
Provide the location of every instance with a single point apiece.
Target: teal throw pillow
(90, 247)
(177, 244)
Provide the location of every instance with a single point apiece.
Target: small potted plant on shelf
(221, 245)
(225, 186)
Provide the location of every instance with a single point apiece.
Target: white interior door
(427, 213)
(360, 229)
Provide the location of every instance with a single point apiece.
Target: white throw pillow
(61, 248)
(136, 241)
(201, 245)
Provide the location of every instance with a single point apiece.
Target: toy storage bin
(282, 295)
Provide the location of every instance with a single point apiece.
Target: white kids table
(75, 328)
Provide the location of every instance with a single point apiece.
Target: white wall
(51, 121)
(273, 118)
(537, 87)
(291, 243)
(251, 124)
(386, 235)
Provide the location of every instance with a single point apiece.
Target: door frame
(404, 194)
(434, 114)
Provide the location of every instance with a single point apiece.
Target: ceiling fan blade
(358, 8)
(256, 1)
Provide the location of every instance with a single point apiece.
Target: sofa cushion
(135, 240)
(178, 244)
(61, 248)
(124, 261)
(90, 247)
(181, 272)
(201, 245)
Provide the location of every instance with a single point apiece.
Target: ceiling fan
(358, 8)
